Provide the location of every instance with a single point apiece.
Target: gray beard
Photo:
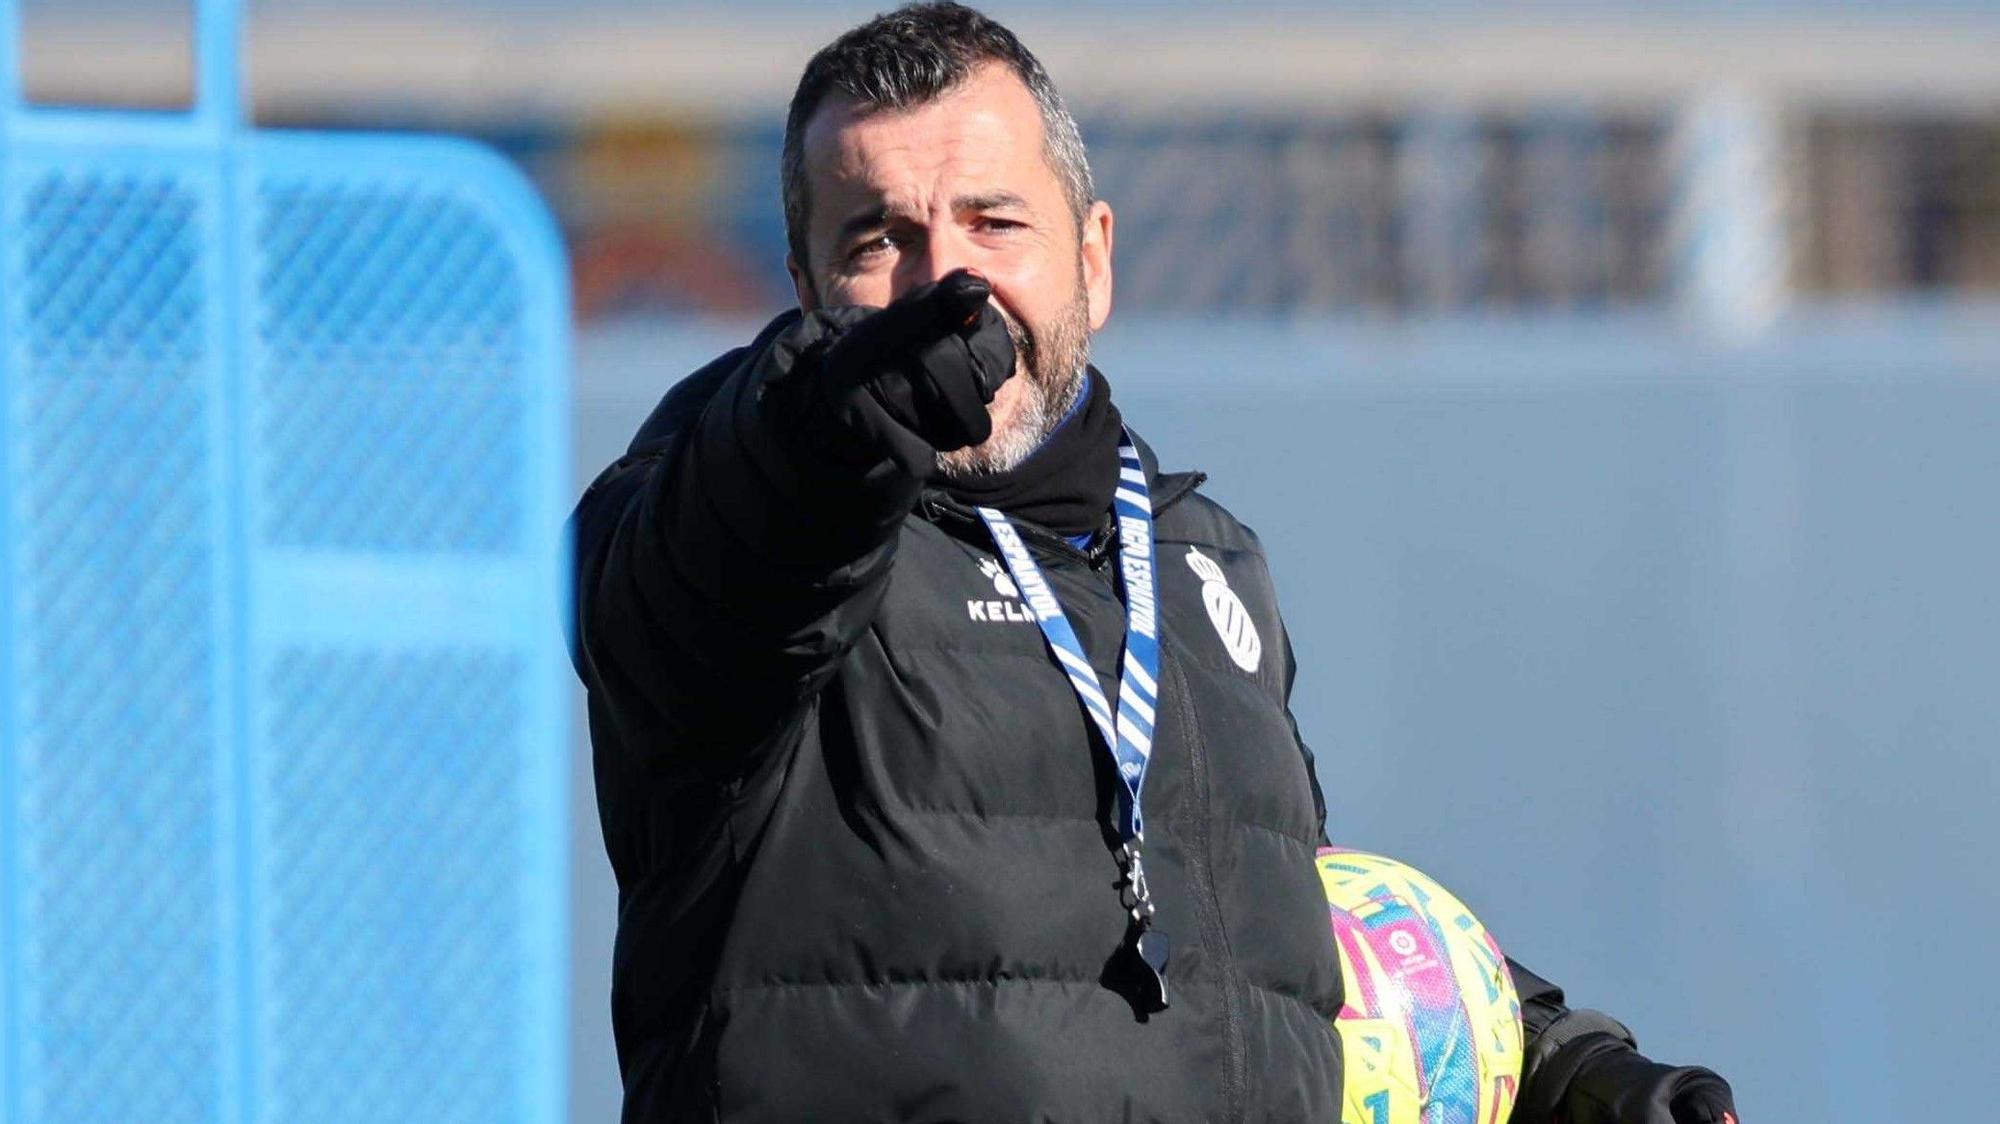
(1054, 375)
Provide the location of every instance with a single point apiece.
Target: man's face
(901, 198)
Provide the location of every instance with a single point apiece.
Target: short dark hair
(911, 56)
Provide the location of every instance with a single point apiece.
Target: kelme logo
(1006, 607)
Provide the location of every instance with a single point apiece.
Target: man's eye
(881, 243)
(990, 223)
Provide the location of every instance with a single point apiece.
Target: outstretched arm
(728, 561)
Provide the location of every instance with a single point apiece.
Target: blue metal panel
(116, 629)
(282, 697)
(404, 490)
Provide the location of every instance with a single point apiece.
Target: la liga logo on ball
(1431, 1030)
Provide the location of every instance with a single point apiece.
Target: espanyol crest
(1227, 613)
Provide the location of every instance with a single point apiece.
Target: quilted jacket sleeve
(1291, 673)
(1584, 1067)
(723, 567)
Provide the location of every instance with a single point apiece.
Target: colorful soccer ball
(1431, 1031)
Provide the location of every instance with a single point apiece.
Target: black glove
(1598, 1078)
(903, 382)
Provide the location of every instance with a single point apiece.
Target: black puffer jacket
(862, 836)
(861, 832)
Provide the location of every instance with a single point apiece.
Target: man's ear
(802, 285)
(1097, 236)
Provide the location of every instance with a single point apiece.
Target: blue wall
(1676, 658)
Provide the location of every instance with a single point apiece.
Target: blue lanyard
(1127, 729)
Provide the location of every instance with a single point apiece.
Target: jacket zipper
(1202, 879)
(1201, 861)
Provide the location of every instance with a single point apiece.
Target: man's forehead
(987, 125)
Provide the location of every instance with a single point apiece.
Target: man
(942, 741)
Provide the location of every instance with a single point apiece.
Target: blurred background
(1615, 385)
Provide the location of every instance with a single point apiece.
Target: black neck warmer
(1066, 484)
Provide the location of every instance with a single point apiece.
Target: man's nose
(941, 254)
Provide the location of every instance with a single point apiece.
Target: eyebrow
(991, 201)
(881, 213)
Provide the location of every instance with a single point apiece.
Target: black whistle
(1149, 948)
